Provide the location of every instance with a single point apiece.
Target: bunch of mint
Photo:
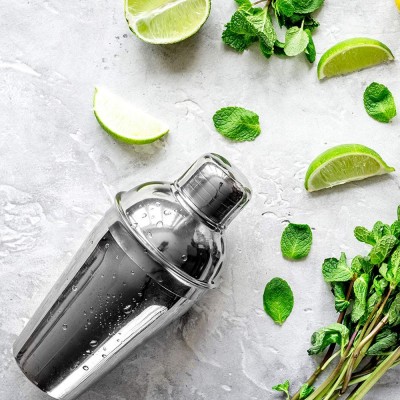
(364, 342)
(251, 24)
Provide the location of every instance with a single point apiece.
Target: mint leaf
(238, 33)
(379, 102)
(380, 285)
(380, 229)
(394, 311)
(335, 270)
(239, 42)
(279, 48)
(296, 41)
(262, 25)
(310, 51)
(296, 241)
(284, 7)
(283, 387)
(306, 6)
(384, 341)
(382, 249)
(360, 291)
(266, 51)
(364, 235)
(335, 333)
(237, 123)
(305, 391)
(395, 229)
(310, 23)
(244, 3)
(278, 300)
(339, 291)
(373, 300)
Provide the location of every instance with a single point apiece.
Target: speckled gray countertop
(58, 170)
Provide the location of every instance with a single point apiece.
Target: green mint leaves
(237, 123)
(379, 102)
(334, 270)
(335, 333)
(296, 41)
(278, 300)
(305, 391)
(296, 241)
(283, 387)
(251, 24)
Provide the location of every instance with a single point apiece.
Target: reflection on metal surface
(99, 357)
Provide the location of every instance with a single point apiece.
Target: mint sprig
(251, 23)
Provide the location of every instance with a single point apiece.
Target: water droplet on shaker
(104, 355)
(74, 288)
(91, 310)
(167, 212)
(159, 224)
(184, 257)
(88, 351)
(114, 276)
(93, 343)
(65, 327)
(127, 309)
(149, 234)
(158, 204)
(107, 246)
(132, 272)
(86, 368)
(144, 215)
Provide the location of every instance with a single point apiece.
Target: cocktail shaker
(155, 252)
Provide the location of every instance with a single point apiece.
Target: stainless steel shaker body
(153, 254)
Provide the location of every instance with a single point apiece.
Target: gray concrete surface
(58, 170)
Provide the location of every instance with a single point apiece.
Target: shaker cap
(215, 189)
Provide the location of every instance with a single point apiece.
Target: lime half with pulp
(166, 21)
(342, 164)
(353, 55)
(124, 121)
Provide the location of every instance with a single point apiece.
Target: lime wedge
(166, 21)
(352, 55)
(342, 164)
(123, 121)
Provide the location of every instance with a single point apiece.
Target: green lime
(342, 164)
(123, 121)
(166, 21)
(352, 55)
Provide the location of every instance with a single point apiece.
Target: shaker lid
(215, 189)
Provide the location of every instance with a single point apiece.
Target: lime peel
(125, 122)
(342, 164)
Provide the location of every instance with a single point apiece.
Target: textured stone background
(58, 170)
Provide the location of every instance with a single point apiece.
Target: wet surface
(58, 169)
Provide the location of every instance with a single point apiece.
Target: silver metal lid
(215, 189)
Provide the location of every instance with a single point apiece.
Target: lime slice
(166, 21)
(123, 121)
(342, 164)
(352, 55)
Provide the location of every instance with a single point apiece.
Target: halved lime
(124, 121)
(342, 164)
(166, 21)
(353, 55)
